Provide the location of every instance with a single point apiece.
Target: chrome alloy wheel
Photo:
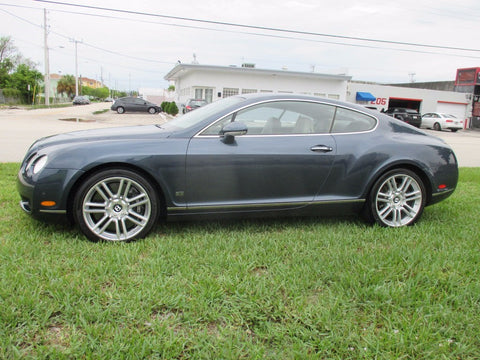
(399, 200)
(116, 208)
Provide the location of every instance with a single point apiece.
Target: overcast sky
(131, 51)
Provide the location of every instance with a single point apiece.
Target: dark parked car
(134, 104)
(81, 100)
(193, 104)
(252, 155)
(410, 116)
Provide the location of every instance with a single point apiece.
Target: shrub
(173, 109)
(166, 107)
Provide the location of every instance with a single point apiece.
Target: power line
(298, 32)
(218, 30)
(87, 44)
(229, 31)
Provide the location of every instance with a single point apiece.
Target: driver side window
(281, 118)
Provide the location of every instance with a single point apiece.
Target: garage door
(457, 109)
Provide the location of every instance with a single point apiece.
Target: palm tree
(66, 85)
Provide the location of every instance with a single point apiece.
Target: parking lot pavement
(465, 143)
(20, 128)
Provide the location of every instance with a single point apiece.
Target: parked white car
(439, 121)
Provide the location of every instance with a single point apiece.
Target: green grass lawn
(277, 289)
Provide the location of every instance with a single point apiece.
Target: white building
(193, 81)
(423, 100)
(208, 82)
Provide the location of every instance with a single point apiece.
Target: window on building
(320, 94)
(204, 94)
(249, 91)
(333, 96)
(229, 92)
(266, 91)
(199, 94)
(209, 95)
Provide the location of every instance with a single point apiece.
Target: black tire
(116, 205)
(120, 110)
(437, 127)
(397, 199)
(152, 110)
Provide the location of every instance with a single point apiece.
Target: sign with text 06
(379, 101)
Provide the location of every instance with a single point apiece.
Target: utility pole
(76, 65)
(47, 64)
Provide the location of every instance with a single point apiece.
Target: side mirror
(231, 130)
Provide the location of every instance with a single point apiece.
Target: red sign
(379, 101)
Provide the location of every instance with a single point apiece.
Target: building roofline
(180, 68)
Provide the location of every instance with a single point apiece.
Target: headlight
(40, 164)
(35, 164)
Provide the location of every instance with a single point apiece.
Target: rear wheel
(120, 110)
(116, 205)
(437, 127)
(397, 198)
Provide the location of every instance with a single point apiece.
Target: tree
(24, 79)
(66, 85)
(102, 92)
(8, 59)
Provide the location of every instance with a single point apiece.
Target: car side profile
(440, 121)
(244, 156)
(81, 100)
(130, 103)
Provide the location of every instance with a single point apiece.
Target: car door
(427, 120)
(139, 105)
(281, 162)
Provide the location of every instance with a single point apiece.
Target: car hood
(119, 133)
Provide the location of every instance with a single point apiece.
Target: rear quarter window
(349, 121)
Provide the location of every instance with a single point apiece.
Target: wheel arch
(123, 166)
(417, 169)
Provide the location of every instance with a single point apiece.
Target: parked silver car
(81, 100)
(439, 121)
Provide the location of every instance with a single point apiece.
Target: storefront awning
(365, 96)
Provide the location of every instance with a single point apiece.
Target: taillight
(449, 121)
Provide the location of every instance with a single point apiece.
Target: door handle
(321, 148)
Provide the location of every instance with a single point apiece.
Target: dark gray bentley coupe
(242, 156)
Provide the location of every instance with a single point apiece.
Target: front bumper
(52, 186)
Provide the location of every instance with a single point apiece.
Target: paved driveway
(20, 128)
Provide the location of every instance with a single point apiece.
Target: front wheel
(152, 110)
(116, 205)
(397, 198)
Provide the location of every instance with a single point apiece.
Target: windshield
(194, 117)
